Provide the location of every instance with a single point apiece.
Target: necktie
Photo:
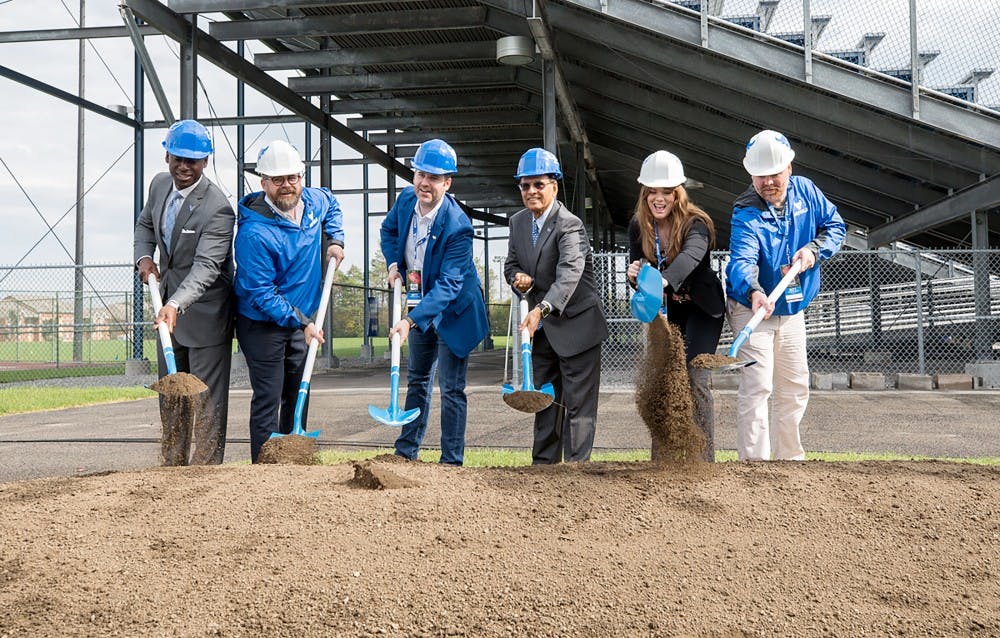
(534, 233)
(170, 217)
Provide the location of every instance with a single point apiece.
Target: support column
(80, 161)
(985, 325)
(549, 106)
(133, 366)
(189, 71)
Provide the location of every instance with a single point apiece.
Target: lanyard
(656, 240)
(417, 243)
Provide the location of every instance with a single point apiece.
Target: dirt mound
(592, 550)
(179, 384)
(663, 396)
(373, 476)
(291, 449)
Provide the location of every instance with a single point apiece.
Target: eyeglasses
(527, 186)
(291, 180)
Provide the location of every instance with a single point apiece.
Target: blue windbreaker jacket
(279, 270)
(760, 244)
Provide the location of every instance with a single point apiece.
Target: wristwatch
(409, 320)
(546, 308)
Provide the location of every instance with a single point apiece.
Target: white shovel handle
(154, 295)
(779, 290)
(397, 314)
(324, 301)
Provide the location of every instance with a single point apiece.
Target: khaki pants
(778, 345)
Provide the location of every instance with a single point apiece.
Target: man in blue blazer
(428, 238)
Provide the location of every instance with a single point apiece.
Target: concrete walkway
(125, 436)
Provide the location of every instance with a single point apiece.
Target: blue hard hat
(538, 161)
(435, 157)
(188, 138)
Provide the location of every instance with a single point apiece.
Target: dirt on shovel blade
(712, 361)
(179, 384)
(663, 397)
(291, 449)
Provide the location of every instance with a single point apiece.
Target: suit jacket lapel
(544, 233)
(188, 206)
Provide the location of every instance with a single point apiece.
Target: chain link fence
(890, 311)
(955, 48)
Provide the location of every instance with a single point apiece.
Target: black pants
(701, 330)
(276, 359)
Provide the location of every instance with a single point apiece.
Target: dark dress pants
(565, 433)
(276, 358)
(210, 416)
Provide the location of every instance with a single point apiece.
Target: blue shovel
(648, 297)
(300, 400)
(758, 316)
(527, 398)
(392, 416)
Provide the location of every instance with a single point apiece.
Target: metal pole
(138, 349)
(488, 341)
(983, 327)
(189, 72)
(807, 33)
(241, 139)
(549, 106)
(308, 151)
(80, 161)
(366, 350)
(914, 61)
(704, 24)
(920, 319)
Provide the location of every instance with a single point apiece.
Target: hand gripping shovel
(392, 416)
(758, 316)
(164, 331)
(648, 297)
(300, 400)
(527, 398)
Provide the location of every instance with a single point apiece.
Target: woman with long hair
(670, 231)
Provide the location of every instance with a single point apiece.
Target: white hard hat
(768, 153)
(279, 158)
(662, 170)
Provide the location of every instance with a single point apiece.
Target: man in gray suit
(549, 260)
(190, 220)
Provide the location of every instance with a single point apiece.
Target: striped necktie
(170, 218)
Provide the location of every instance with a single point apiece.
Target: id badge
(794, 291)
(414, 289)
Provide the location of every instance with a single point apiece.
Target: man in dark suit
(190, 220)
(549, 260)
(429, 236)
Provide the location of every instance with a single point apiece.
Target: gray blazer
(198, 274)
(562, 267)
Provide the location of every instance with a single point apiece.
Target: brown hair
(682, 214)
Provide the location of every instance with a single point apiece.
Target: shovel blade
(393, 418)
(739, 365)
(507, 389)
(313, 434)
(530, 401)
(645, 307)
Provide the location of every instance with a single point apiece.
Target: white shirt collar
(294, 215)
(187, 191)
(429, 217)
(541, 218)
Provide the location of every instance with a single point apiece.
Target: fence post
(920, 318)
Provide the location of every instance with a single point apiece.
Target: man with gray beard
(278, 285)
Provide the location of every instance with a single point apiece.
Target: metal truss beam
(416, 80)
(981, 196)
(443, 121)
(441, 102)
(85, 33)
(350, 24)
(422, 53)
(72, 98)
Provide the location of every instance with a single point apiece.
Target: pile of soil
(592, 549)
(291, 449)
(663, 396)
(179, 384)
(376, 476)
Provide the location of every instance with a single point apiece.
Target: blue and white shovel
(303, 396)
(647, 300)
(758, 316)
(527, 398)
(392, 416)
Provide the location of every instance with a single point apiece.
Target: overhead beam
(443, 121)
(211, 6)
(419, 53)
(72, 98)
(499, 134)
(350, 24)
(441, 102)
(87, 33)
(981, 196)
(321, 85)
